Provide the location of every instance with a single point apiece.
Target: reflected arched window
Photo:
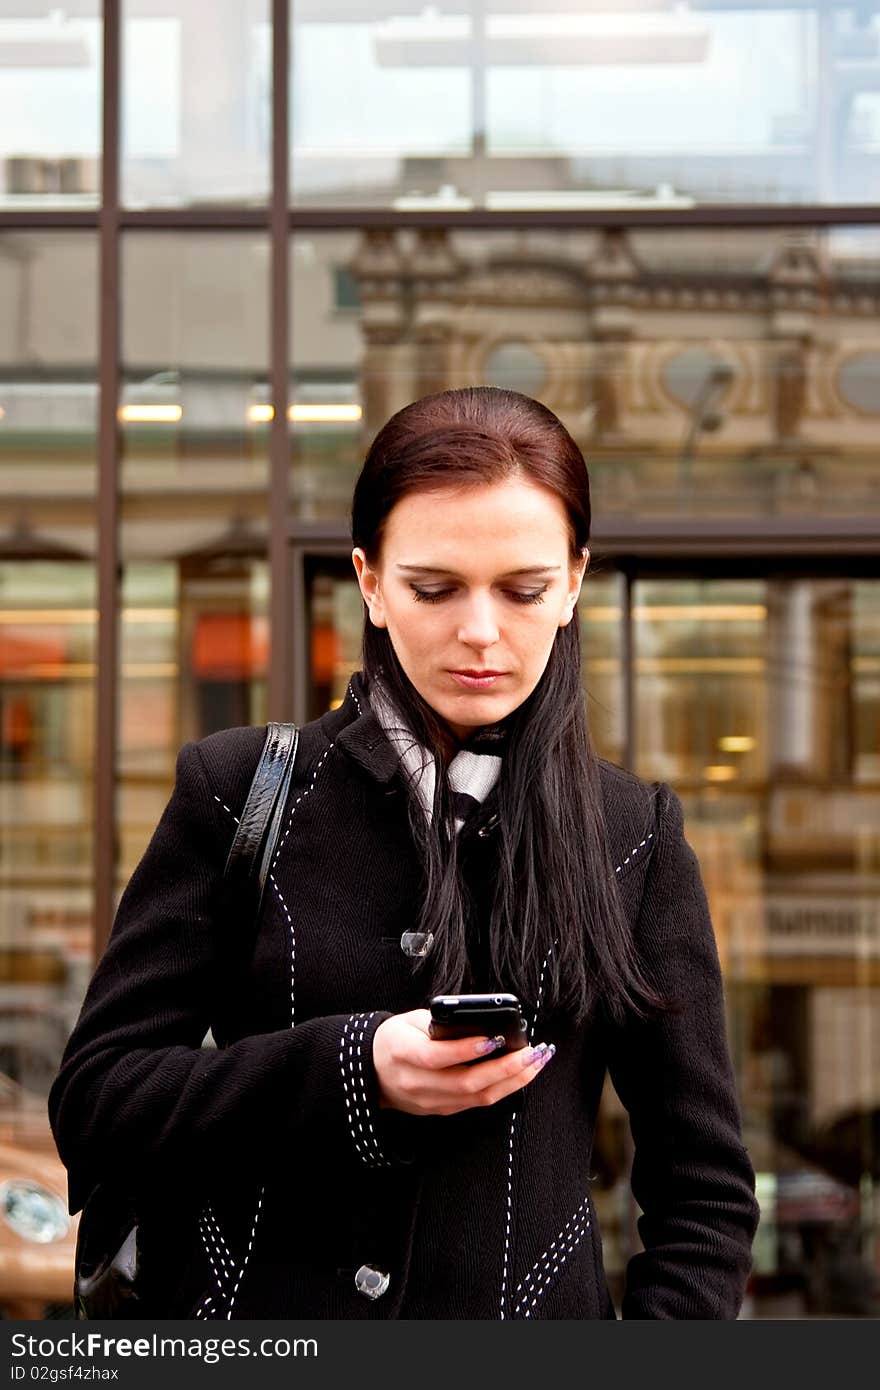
(515, 367)
(688, 374)
(858, 382)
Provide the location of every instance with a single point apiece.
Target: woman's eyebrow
(453, 574)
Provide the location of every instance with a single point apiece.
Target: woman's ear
(577, 573)
(368, 580)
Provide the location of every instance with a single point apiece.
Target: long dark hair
(557, 927)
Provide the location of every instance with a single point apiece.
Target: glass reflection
(193, 659)
(703, 373)
(601, 608)
(508, 105)
(194, 428)
(196, 102)
(193, 419)
(50, 104)
(48, 629)
(755, 700)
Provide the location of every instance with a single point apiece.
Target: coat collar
(355, 728)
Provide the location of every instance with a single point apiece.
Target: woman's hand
(427, 1076)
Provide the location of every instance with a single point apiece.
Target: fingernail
(490, 1045)
(538, 1053)
(550, 1053)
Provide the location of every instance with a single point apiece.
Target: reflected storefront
(186, 399)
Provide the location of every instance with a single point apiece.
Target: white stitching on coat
(226, 808)
(206, 1304)
(544, 965)
(361, 1077)
(350, 691)
(634, 852)
(220, 1275)
(213, 1226)
(275, 882)
(530, 1289)
(278, 890)
(508, 1215)
(300, 798)
(247, 1254)
(356, 1103)
(292, 950)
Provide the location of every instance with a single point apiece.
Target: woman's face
(472, 584)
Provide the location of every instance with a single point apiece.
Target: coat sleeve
(137, 1095)
(691, 1176)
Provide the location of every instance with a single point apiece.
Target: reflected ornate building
(746, 375)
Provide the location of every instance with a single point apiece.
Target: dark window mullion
(280, 677)
(106, 704)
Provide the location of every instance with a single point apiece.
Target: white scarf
(472, 773)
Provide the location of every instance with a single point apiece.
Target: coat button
(371, 1282)
(416, 943)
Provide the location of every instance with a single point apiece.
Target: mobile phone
(479, 1015)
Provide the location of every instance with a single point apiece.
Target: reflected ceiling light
(705, 665)
(736, 743)
(318, 411)
(150, 670)
(149, 615)
(719, 772)
(57, 670)
(54, 616)
(309, 412)
(150, 414)
(601, 612)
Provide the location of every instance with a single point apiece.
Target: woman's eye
(518, 595)
(533, 596)
(428, 595)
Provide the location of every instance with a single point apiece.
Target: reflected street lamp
(705, 417)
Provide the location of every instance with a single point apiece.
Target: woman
(448, 829)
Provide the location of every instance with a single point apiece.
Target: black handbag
(108, 1277)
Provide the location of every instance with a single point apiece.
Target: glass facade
(48, 629)
(50, 104)
(508, 105)
(193, 526)
(187, 141)
(642, 222)
(706, 374)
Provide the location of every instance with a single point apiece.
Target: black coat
(271, 1184)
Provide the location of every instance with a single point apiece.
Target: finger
(509, 1074)
(459, 1088)
(470, 1083)
(437, 1054)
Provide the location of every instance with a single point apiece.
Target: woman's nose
(479, 626)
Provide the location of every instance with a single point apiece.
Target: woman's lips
(477, 682)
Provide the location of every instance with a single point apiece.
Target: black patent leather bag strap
(256, 838)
